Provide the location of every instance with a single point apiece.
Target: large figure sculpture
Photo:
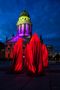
(44, 53)
(36, 55)
(17, 56)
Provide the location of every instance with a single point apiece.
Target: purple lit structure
(24, 28)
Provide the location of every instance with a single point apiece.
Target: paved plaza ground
(50, 80)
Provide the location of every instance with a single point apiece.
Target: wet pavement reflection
(49, 81)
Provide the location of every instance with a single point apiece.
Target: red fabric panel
(45, 55)
(34, 55)
(18, 54)
(29, 59)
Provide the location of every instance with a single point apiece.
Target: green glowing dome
(24, 18)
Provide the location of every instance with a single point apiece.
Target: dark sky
(45, 17)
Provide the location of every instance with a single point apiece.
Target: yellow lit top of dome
(24, 18)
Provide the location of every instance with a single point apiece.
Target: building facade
(24, 30)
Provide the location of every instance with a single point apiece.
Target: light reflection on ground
(49, 81)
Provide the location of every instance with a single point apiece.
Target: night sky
(45, 17)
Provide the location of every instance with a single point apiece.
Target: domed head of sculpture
(24, 24)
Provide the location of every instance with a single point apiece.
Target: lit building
(24, 25)
(24, 30)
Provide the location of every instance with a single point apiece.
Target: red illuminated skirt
(17, 56)
(33, 55)
(44, 56)
(36, 55)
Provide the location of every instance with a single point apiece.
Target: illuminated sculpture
(35, 52)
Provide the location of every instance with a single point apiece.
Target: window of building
(20, 28)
